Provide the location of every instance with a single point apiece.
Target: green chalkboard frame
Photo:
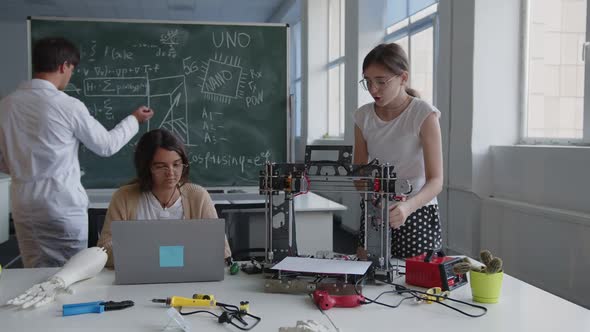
(233, 163)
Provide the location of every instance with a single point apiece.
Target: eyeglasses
(163, 169)
(379, 83)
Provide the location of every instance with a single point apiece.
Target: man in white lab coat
(41, 128)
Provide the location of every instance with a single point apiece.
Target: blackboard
(222, 88)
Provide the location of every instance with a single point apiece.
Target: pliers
(94, 307)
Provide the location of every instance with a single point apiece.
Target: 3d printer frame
(280, 183)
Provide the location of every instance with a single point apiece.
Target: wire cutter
(94, 307)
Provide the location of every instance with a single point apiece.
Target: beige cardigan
(196, 204)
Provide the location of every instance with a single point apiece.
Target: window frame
(411, 28)
(296, 80)
(332, 64)
(524, 87)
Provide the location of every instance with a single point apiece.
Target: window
(412, 25)
(335, 114)
(296, 74)
(554, 78)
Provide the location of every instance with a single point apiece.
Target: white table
(314, 217)
(522, 307)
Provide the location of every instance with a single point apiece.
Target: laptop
(165, 251)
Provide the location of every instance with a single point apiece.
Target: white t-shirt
(397, 142)
(149, 208)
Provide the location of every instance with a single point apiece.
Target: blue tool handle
(83, 308)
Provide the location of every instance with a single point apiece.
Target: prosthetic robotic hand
(83, 265)
(306, 326)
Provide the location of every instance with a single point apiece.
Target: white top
(397, 142)
(149, 208)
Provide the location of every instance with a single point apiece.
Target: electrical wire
(369, 301)
(230, 312)
(358, 170)
(306, 188)
(417, 294)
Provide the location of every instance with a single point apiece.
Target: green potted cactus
(486, 278)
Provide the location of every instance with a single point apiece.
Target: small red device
(434, 269)
(327, 301)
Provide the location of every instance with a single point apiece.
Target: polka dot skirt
(420, 232)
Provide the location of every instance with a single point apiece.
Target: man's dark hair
(49, 53)
(146, 149)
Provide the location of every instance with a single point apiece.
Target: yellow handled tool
(435, 294)
(198, 300)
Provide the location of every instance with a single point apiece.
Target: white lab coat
(40, 132)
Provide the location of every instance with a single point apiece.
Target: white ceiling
(192, 10)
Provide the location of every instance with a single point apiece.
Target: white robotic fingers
(19, 299)
(39, 293)
(44, 300)
(306, 326)
(33, 301)
(85, 264)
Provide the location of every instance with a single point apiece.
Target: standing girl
(403, 130)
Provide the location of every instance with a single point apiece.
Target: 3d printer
(281, 182)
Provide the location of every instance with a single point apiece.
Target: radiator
(544, 246)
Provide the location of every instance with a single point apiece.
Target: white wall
(543, 175)
(496, 83)
(13, 62)
(539, 220)
(460, 205)
(528, 204)
(483, 110)
(543, 246)
(314, 38)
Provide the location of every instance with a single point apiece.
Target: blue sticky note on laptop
(171, 256)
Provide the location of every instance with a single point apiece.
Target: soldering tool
(94, 307)
(229, 312)
(198, 300)
(326, 301)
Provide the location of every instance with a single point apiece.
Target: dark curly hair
(146, 149)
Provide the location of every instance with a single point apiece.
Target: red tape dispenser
(434, 269)
(326, 301)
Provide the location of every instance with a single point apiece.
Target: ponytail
(412, 92)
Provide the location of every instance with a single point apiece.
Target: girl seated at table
(161, 190)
